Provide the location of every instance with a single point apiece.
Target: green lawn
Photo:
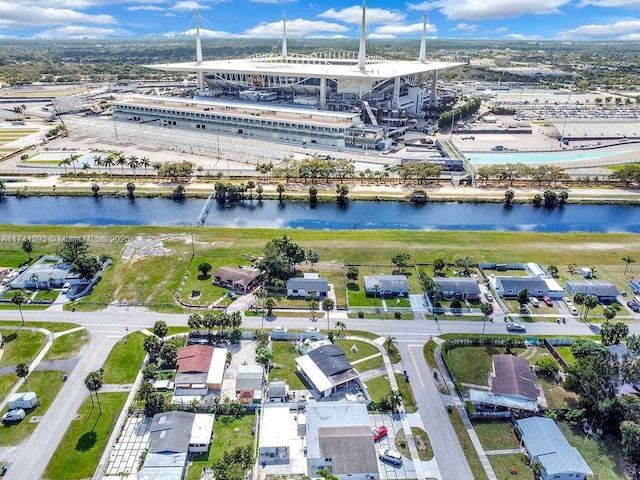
(21, 345)
(284, 364)
(125, 360)
(565, 353)
(468, 449)
(46, 385)
(225, 437)
(496, 435)
(359, 298)
(7, 381)
(502, 463)
(425, 452)
(67, 346)
(80, 449)
(364, 349)
(380, 387)
(472, 364)
(47, 294)
(557, 396)
(369, 364)
(407, 394)
(52, 327)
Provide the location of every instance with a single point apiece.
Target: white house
(311, 282)
(47, 272)
(386, 285)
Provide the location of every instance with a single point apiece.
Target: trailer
(23, 400)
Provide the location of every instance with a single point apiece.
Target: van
(534, 301)
(65, 288)
(391, 456)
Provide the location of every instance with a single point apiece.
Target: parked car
(313, 330)
(573, 310)
(633, 306)
(390, 456)
(547, 300)
(488, 296)
(14, 415)
(567, 301)
(379, 432)
(534, 301)
(515, 327)
(280, 329)
(65, 288)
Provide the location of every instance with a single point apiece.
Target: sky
(565, 20)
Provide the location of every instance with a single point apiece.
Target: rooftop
(513, 376)
(194, 358)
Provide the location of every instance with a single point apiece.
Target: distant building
(463, 288)
(386, 285)
(311, 282)
(48, 272)
(536, 286)
(339, 438)
(545, 443)
(241, 280)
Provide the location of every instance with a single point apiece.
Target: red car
(547, 300)
(379, 432)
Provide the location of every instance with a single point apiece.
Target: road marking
(413, 360)
(95, 353)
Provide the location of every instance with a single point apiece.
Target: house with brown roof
(200, 370)
(241, 280)
(513, 386)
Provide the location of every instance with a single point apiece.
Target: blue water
(325, 216)
(547, 157)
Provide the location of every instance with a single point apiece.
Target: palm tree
(326, 474)
(64, 162)
(388, 343)
(22, 370)
(145, 163)
(19, 299)
(340, 326)
(395, 399)
(590, 302)
(93, 382)
(628, 260)
(487, 310)
(133, 164)
(108, 162)
(97, 161)
(280, 190)
(86, 167)
(121, 161)
(73, 158)
(195, 321)
(235, 320)
(327, 306)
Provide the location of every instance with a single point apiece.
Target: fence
(549, 344)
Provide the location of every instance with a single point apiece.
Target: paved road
(107, 326)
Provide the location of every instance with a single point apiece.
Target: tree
(400, 260)
(93, 382)
(553, 271)
(342, 190)
(27, 247)
(22, 371)
(523, 297)
(313, 257)
(178, 193)
(152, 345)
(205, 268)
(169, 355)
(95, 188)
(389, 342)
(313, 194)
(263, 355)
(352, 273)
(439, 264)
(509, 344)
(590, 302)
(154, 405)
(612, 333)
(609, 313)
(121, 161)
(19, 299)
(259, 191)
(326, 474)
(537, 200)
(628, 260)
(195, 321)
(151, 371)
(146, 390)
(86, 266)
(630, 435)
(395, 399)
(71, 248)
(270, 303)
(633, 343)
(584, 347)
(160, 328)
(340, 326)
(547, 366)
(327, 306)
(250, 186)
(595, 377)
(508, 197)
(466, 263)
(131, 188)
(280, 190)
(487, 311)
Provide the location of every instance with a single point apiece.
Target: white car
(573, 310)
(313, 330)
(390, 456)
(515, 327)
(567, 301)
(280, 329)
(14, 415)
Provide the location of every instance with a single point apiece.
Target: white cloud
(623, 30)
(189, 5)
(387, 31)
(610, 3)
(465, 27)
(204, 33)
(520, 36)
(149, 8)
(275, 2)
(500, 30)
(296, 28)
(475, 10)
(19, 15)
(82, 31)
(354, 15)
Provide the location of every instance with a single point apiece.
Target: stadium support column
(433, 98)
(362, 51)
(323, 93)
(199, 55)
(396, 93)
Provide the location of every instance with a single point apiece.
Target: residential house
(173, 436)
(605, 291)
(327, 369)
(463, 288)
(545, 443)
(277, 427)
(47, 272)
(536, 286)
(200, 370)
(311, 282)
(250, 378)
(386, 285)
(339, 438)
(277, 391)
(241, 280)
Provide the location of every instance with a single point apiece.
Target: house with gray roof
(535, 286)
(386, 285)
(605, 291)
(47, 272)
(545, 443)
(172, 436)
(339, 438)
(303, 286)
(327, 369)
(463, 288)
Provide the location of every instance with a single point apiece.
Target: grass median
(81, 447)
(125, 360)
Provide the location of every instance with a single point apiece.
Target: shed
(586, 273)
(249, 377)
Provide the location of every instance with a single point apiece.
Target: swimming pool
(546, 157)
(59, 156)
